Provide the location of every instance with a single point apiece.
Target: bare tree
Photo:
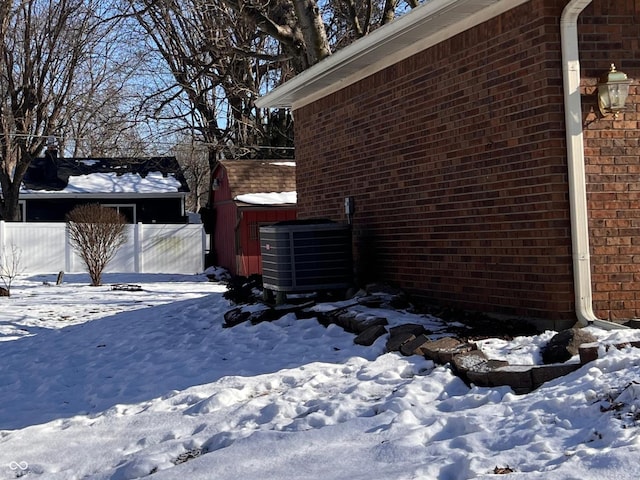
(308, 31)
(210, 50)
(10, 266)
(193, 158)
(223, 54)
(43, 45)
(96, 233)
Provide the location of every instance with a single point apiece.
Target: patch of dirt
(473, 326)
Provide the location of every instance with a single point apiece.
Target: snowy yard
(98, 383)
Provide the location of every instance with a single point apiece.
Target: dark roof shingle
(260, 176)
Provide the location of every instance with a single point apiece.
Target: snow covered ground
(98, 383)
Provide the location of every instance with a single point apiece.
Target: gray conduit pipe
(575, 160)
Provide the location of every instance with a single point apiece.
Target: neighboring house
(144, 190)
(247, 194)
(483, 173)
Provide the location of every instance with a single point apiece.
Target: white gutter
(575, 159)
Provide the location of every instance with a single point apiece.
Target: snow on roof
(104, 176)
(110, 182)
(273, 198)
(261, 182)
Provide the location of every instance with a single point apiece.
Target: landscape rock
(589, 351)
(345, 319)
(446, 355)
(413, 328)
(415, 346)
(565, 345)
(4, 292)
(402, 334)
(474, 360)
(370, 335)
(359, 325)
(543, 373)
(386, 296)
(432, 349)
(397, 339)
(518, 377)
(267, 315)
(235, 317)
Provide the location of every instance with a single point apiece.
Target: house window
(22, 210)
(128, 210)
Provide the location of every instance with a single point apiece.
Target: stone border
(466, 360)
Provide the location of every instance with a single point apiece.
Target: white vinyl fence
(150, 248)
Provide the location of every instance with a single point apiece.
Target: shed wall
(224, 242)
(456, 159)
(226, 220)
(249, 259)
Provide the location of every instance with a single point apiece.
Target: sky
(138, 378)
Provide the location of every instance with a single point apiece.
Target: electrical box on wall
(349, 206)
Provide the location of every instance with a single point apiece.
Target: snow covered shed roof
(104, 176)
(423, 27)
(261, 182)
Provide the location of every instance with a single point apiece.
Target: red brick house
(245, 195)
(483, 172)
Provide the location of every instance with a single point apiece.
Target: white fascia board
(425, 26)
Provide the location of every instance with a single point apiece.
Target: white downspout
(575, 160)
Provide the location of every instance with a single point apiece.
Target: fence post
(204, 238)
(137, 247)
(68, 251)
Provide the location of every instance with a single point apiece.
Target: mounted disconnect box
(349, 206)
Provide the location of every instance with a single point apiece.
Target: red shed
(247, 194)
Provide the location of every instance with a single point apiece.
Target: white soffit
(423, 27)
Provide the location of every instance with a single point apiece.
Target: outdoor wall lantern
(613, 90)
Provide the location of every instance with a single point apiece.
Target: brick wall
(610, 32)
(456, 159)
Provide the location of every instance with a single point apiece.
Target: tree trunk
(313, 31)
(10, 211)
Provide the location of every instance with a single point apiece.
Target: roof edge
(332, 74)
(51, 194)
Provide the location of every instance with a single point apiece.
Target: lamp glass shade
(613, 90)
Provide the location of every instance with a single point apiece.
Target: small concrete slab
(544, 373)
(518, 377)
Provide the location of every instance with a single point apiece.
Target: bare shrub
(96, 233)
(10, 267)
